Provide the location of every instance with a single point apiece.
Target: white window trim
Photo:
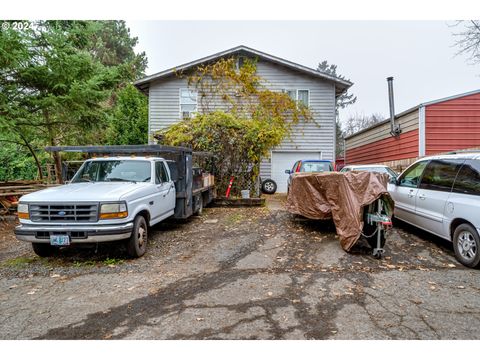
(308, 91)
(296, 94)
(180, 102)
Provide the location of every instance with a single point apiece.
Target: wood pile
(11, 191)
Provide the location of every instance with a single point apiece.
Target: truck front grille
(63, 212)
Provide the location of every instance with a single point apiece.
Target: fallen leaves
(211, 221)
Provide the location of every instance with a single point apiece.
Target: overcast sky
(420, 55)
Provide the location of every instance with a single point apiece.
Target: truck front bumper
(78, 234)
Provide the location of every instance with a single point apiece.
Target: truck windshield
(114, 170)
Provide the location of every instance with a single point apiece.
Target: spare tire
(269, 186)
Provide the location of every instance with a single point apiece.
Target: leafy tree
(58, 81)
(254, 120)
(128, 123)
(346, 98)
(343, 101)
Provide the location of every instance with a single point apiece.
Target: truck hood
(85, 191)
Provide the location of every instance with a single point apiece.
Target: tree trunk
(39, 166)
(58, 167)
(57, 159)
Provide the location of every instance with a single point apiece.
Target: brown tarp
(341, 196)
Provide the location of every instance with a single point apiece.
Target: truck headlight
(113, 211)
(22, 211)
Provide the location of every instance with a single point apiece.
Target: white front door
(284, 160)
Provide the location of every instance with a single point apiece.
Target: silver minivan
(441, 194)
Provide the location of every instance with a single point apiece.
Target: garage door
(282, 161)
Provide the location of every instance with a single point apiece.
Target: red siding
(403, 147)
(452, 125)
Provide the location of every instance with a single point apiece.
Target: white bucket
(245, 194)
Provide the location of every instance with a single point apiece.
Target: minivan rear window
(439, 175)
(468, 178)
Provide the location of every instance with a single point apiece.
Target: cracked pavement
(257, 273)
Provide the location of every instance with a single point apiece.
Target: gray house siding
(317, 135)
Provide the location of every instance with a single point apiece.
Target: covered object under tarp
(338, 196)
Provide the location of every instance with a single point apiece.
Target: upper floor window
(299, 96)
(188, 103)
(303, 97)
(239, 63)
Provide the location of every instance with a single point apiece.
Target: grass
(234, 218)
(85, 263)
(18, 262)
(112, 261)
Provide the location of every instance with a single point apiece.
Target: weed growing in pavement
(18, 262)
(113, 261)
(234, 218)
(85, 263)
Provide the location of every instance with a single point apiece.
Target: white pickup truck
(114, 198)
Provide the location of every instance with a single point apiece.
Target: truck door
(164, 203)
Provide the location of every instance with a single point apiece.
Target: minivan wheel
(466, 244)
(137, 243)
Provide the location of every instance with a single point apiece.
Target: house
(171, 99)
(430, 128)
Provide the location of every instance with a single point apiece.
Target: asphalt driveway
(248, 273)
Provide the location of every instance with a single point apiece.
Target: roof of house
(408, 111)
(341, 84)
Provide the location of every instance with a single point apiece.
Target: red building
(430, 128)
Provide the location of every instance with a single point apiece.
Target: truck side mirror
(287, 171)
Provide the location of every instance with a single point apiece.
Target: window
(303, 97)
(468, 178)
(316, 166)
(161, 175)
(114, 170)
(299, 96)
(239, 63)
(294, 167)
(188, 103)
(412, 175)
(292, 94)
(440, 174)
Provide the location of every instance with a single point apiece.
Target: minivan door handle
(410, 194)
(422, 197)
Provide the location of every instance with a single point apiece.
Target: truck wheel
(200, 206)
(43, 250)
(269, 186)
(466, 244)
(137, 244)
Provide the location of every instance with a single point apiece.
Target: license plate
(59, 240)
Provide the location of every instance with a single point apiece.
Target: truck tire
(137, 243)
(200, 206)
(42, 249)
(269, 186)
